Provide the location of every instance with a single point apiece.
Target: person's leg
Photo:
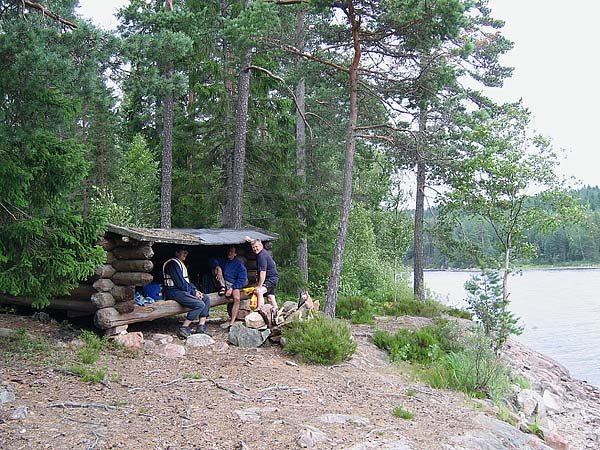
(202, 327)
(260, 292)
(235, 309)
(271, 294)
(196, 306)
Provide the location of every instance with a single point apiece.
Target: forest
(358, 130)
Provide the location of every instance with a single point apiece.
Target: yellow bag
(253, 302)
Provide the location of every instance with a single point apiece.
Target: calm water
(559, 309)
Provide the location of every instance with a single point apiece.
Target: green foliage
(20, 345)
(522, 382)
(475, 369)
(357, 309)
(424, 345)
(88, 375)
(140, 184)
(402, 413)
(94, 345)
(486, 302)
(321, 340)
(46, 243)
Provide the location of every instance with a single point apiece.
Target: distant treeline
(570, 244)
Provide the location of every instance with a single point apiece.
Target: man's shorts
(270, 287)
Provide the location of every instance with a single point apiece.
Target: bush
(356, 309)
(475, 370)
(322, 340)
(402, 413)
(424, 345)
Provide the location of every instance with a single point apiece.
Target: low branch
(297, 52)
(82, 405)
(46, 12)
(281, 80)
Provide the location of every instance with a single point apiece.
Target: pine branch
(46, 12)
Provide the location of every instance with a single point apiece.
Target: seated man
(179, 288)
(232, 275)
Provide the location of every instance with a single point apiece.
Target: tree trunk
(340, 241)
(227, 164)
(506, 269)
(418, 262)
(302, 248)
(167, 156)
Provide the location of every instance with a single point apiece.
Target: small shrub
(402, 413)
(88, 375)
(322, 340)
(356, 309)
(476, 370)
(412, 307)
(522, 382)
(90, 352)
(486, 302)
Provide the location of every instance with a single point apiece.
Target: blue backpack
(153, 290)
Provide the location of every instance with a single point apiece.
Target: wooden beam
(85, 306)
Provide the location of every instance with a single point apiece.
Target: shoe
(222, 290)
(203, 329)
(184, 332)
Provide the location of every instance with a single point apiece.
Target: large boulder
(242, 336)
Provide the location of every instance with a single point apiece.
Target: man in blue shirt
(232, 275)
(179, 288)
(268, 277)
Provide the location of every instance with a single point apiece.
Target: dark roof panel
(193, 236)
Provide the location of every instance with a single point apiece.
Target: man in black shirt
(267, 274)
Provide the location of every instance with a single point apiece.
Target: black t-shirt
(264, 262)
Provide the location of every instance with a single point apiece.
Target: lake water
(559, 309)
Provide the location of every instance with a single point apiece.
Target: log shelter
(135, 257)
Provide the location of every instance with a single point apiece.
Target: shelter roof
(193, 236)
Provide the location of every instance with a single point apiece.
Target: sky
(556, 62)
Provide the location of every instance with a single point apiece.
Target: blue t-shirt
(265, 263)
(234, 271)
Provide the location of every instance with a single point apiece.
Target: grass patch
(20, 345)
(411, 392)
(193, 376)
(522, 382)
(321, 340)
(88, 375)
(402, 413)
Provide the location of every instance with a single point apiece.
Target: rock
(19, 413)
(546, 424)
(6, 396)
(171, 350)
(199, 340)
(527, 401)
(5, 332)
(344, 418)
(291, 363)
(309, 437)
(248, 415)
(76, 344)
(385, 445)
(242, 336)
(220, 347)
(554, 440)
(162, 338)
(551, 402)
(41, 317)
(255, 320)
(149, 345)
(131, 340)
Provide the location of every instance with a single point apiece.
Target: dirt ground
(221, 397)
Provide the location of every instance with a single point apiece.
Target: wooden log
(102, 300)
(104, 270)
(84, 306)
(110, 258)
(123, 293)
(132, 278)
(124, 241)
(83, 292)
(133, 265)
(106, 244)
(124, 307)
(143, 252)
(103, 285)
(106, 318)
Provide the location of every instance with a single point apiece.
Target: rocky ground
(225, 397)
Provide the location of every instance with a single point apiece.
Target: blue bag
(153, 290)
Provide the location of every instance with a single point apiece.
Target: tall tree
(46, 245)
